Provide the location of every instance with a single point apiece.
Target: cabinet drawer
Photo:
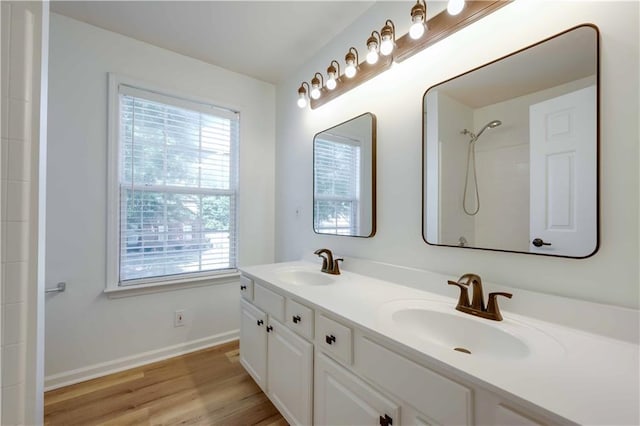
(507, 417)
(246, 287)
(334, 338)
(272, 303)
(300, 319)
(443, 400)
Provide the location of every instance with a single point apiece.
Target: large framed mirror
(510, 151)
(344, 178)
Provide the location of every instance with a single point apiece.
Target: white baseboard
(67, 378)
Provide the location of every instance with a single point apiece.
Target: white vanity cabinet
(319, 368)
(280, 361)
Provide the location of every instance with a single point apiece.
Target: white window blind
(177, 187)
(336, 185)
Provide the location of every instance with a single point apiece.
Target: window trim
(152, 284)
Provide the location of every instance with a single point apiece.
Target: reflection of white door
(564, 174)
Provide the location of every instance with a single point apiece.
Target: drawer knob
(243, 287)
(260, 322)
(386, 420)
(330, 339)
(269, 328)
(296, 319)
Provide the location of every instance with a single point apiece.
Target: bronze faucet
(329, 264)
(477, 307)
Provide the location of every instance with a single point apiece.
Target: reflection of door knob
(539, 243)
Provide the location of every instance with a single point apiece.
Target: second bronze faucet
(477, 307)
(329, 264)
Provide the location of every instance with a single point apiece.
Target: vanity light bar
(383, 48)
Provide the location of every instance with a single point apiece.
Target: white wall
(610, 276)
(86, 332)
(23, 49)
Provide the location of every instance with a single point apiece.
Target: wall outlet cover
(179, 318)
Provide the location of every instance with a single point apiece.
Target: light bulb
(418, 26)
(455, 6)
(372, 46)
(315, 86)
(417, 30)
(331, 76)
(350, 71)
(351, 59)
(372, 56)
(386, 47)
(302, 102)
(387, 34)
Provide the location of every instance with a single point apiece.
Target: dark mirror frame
(597, 189)
(373, 175)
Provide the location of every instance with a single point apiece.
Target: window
(336, 185)
(174, 187)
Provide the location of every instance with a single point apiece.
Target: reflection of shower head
(490, 125)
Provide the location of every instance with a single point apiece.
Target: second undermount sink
(304, 276)
(440, 324)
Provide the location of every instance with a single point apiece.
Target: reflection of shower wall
(502, 161)
(502, 156)
(453, 117)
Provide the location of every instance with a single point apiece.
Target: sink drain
(463, 350)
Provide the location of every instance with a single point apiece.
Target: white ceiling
(262, 39)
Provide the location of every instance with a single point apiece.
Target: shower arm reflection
(471, 160)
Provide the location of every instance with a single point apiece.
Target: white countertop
(582, 377)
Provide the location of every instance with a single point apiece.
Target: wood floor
(207, 387)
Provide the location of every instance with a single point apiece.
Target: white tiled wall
(16, 186)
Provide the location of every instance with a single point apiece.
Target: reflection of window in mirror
(337, 165)
(344, 178)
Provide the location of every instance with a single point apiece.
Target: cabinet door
(290, 373)
(343, 399)
(253, 342)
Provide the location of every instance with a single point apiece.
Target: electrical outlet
(178, 318)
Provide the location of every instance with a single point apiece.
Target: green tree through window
(177, 179)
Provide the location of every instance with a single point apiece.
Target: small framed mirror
(344, 178)
(511, 151)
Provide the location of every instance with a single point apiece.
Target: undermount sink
(440, 324)
(304, 276)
